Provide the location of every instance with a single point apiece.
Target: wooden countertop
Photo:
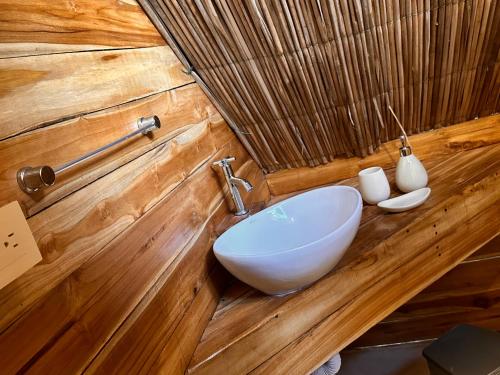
(393, 257)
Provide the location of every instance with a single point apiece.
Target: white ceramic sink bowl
(293, 243)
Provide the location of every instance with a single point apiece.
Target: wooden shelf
(393, 257)
(431, 145)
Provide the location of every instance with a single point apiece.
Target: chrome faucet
(232, 182)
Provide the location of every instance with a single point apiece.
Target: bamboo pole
(304, 82)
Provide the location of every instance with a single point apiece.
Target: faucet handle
(225, 161)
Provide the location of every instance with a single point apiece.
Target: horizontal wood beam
(79, 226)
(91, 302)
(48, 26)
(54, 145)
(61, 86)
(170, 319)
(427, 146)
(469, 293)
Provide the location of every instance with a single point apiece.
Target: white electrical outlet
(18, 249)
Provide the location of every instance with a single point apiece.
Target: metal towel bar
(33, 179)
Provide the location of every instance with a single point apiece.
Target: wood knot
(110, 57)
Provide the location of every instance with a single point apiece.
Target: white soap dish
(406, 202)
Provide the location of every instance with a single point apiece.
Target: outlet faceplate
(18, 249)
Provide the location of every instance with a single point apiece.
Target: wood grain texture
(427, 146)
(469, 293)
(54, 145)
(47, 26)
(175, 356)
(325, 339)
(128, 277)
(176, 309)
(129, 282)
(79, 226)
(161, 334)
(95, 299)
(483, 312)
(490, 250)
(378, 273)
(95, 227)
(55, 87)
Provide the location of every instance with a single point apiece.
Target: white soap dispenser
(410, 173)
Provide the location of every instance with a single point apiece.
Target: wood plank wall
(128, 280)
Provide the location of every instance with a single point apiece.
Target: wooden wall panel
(39, 90)
(175, 356)
(95, 299)
(48, 26)
(178, 110)
(126, 238)
(76, 228)
(167, 340)
(427, 146)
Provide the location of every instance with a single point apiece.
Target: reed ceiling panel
(304, 82)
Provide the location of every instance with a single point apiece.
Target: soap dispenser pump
(410, 173)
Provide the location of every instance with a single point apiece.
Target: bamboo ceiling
(303, 82)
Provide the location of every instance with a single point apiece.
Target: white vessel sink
(293, 243)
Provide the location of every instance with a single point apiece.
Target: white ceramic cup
(373, 185)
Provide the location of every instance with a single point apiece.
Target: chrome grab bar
(32, 179)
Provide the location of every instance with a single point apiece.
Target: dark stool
(465, 350)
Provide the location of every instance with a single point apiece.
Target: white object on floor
(330, 367)
(406, 202)
(293, 243)
(373, 185)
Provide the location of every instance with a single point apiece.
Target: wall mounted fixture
(33, 179)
